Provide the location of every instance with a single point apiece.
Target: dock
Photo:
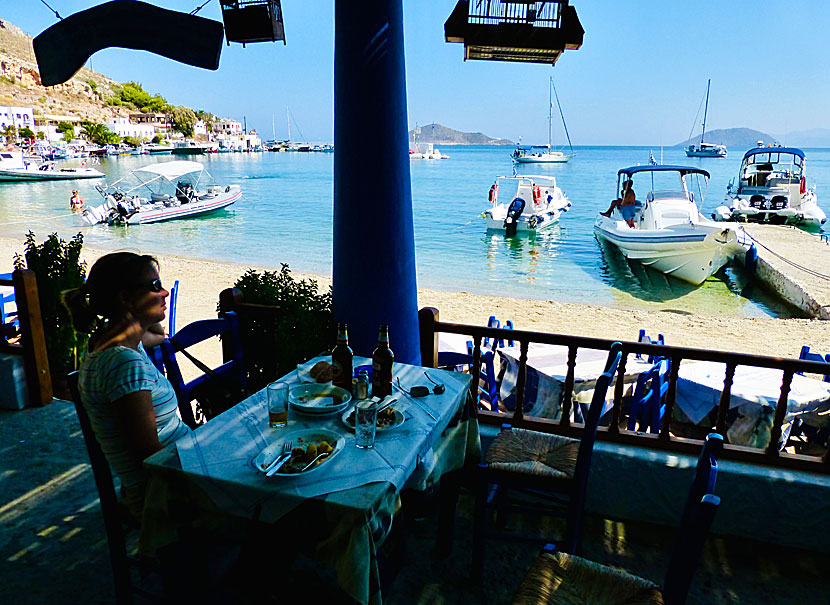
(795, 265)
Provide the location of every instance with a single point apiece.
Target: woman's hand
(153, 336)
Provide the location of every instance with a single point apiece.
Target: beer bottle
(341, 360)
(382, 360)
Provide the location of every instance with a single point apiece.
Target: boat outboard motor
(514, 211)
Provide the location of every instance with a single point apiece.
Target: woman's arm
(136, 422)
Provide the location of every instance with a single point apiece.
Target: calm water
(454, 251)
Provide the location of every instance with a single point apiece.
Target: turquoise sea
(285, 216)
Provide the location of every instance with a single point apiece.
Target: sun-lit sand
(200, 282)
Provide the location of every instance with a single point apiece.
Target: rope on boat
(788, 261)
(465, 224)
(35, 220)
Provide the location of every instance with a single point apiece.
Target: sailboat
(705, 150)
(541, 154)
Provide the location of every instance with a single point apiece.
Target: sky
(639, 78)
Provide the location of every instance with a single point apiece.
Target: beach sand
(200, 282)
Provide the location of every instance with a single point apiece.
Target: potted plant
(57, 266)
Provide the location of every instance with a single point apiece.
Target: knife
(277, 464)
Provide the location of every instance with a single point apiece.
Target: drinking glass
(277, 404)
(365, 423)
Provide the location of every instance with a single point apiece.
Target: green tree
(184, 119)
(99, 134)
(10, 132)
(206, 117)
(67, 130)
(134, 94)
(26, 133)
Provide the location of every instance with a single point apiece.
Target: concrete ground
(53, 548)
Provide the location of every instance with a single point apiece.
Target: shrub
(303, 327)
(57, 267)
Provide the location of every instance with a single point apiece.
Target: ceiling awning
(504, 30)
(172, 170)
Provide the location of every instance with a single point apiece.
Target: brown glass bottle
(382, 360)
(341, 360)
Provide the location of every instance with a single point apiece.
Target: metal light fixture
(507, 30)
(253, 21)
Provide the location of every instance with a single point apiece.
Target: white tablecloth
(547, 367)
(756, 392)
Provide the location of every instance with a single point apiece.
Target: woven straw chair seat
(533, 453)
(567, 579)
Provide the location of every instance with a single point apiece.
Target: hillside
(83, 96)
(739, 138)
(441, 135)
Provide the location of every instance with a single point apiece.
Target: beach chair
(560, 577)
(647, 405)
(547, 464)
(118, 527)
(227, 382)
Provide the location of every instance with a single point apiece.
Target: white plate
(318, 398)
(399, 420)
(302, 438)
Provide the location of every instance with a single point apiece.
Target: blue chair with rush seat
(560, 577)
(229, 373)
(544, 463)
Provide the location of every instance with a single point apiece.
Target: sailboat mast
(705, 111)
(288, 119)
(550, 113)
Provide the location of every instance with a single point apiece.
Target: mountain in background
(441, 135)
(815, 137)
(737, 138)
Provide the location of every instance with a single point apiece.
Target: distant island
(441, 135)
(746, 138)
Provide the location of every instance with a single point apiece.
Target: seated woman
(131, 405)
(627, 204)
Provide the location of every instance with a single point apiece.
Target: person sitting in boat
(627, 204)
(76, 202)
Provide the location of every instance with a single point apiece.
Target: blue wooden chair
(808, 355)
(171, 307)
(9, 323)
(549, 464)
(814, 435)
(492, 323)
(560, 577)
(231, 372)
(643, 337)
(117, 526)
(647, 403)
(489, 390)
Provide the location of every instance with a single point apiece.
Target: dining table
(754, 397)
(351, 496)
(547, 370)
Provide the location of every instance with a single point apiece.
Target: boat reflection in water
(526, 255)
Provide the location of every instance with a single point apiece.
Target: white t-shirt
(105, 377)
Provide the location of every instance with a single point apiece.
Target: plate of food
(314, 447)
(388, 419)
(316, 371)
(318, 398)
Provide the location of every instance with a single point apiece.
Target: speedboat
(531, 203)
(772, 188)
(183, 198)
(669, 233)
(13, 167)
(157, 149)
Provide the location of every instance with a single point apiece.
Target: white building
(227, 127)
(200, 129)
(19, 117)
(123, 127)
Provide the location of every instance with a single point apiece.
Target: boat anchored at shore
(536, 203)
(128, 208)
(705, 150)
(772, 188)
(669, 233)
(545, 154)
(14, 168)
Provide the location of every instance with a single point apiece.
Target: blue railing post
(373, 266)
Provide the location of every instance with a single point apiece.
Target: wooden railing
(31, 344)
(430, 327)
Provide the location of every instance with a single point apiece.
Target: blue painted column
(374, 244)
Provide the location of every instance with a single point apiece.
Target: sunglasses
(153, 286)
(420, 390)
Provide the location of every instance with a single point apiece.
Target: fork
(284, 455)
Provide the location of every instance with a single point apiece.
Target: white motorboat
(157, 149)
(772, 188)
(530, 203)
(13, 167)
(669, 233)
(426, 151)
(705, 150)
(184, 199)
(545, 154)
